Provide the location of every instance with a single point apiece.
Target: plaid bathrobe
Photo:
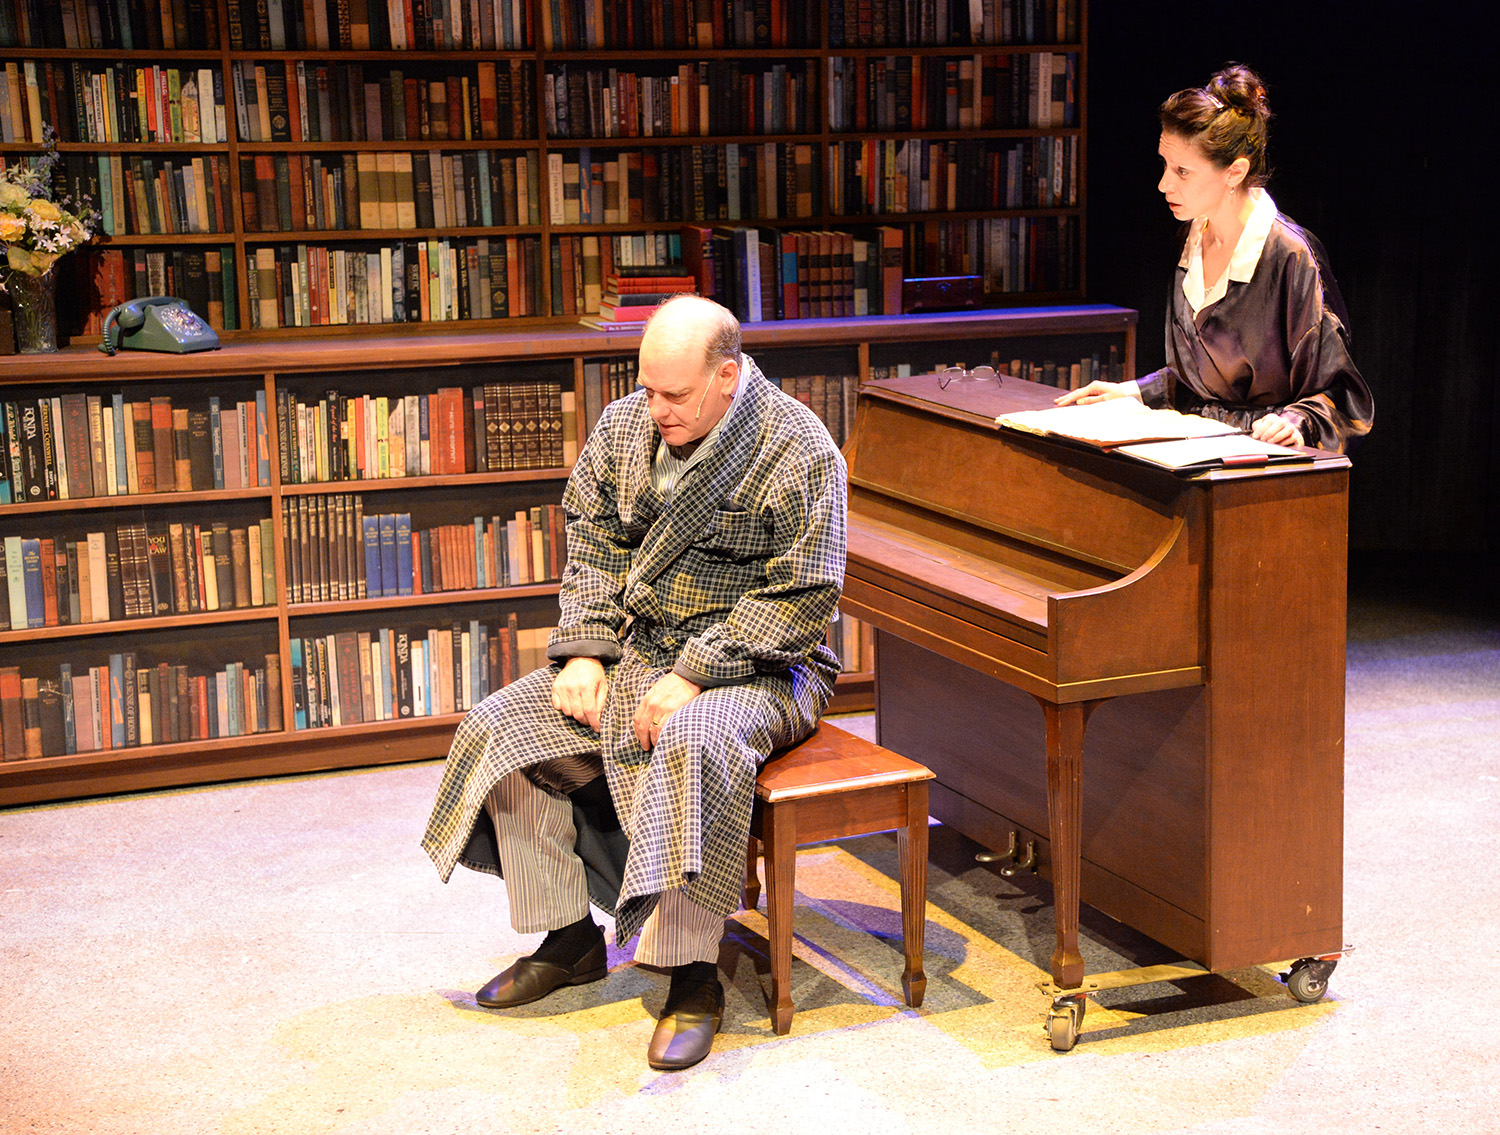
(732, 584)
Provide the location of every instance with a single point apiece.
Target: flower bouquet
(35, 231)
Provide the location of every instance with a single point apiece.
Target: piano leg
(1065, 727)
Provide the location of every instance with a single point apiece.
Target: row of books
(491, 428)
(577, 274)
(625, 253)
(125, 702)
(676, 24)
(75, 446)
(786, 181)
(309, 101)
(891, 176)
(911, 23)
(681, 100)
(156, 195)
(495, 278)
(102, 278)
(387, 190)
(1012, 254)
(380, 25)
(404, 190)
(684, 183)
(113, 102)
(113, 24)
(399, 673)
(984, 92)
(135, 571)
(832, 397)
(489, 25)
(1065, 375)
(605, 380)
(395, 282)
(317, 102)
(763, 274)
(337, 552)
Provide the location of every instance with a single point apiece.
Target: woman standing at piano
(1257, 334)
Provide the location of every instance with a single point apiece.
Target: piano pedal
(1027, 862)
(1015, 860)
(998, 856)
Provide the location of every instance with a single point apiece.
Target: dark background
(1382, 145)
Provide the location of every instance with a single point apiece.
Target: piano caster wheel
(1065, 1021)
(1307, 980)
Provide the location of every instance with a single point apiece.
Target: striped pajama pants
(544, 877)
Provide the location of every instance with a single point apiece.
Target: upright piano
(1139, 673)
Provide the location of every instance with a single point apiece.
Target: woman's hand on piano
(1098, 391)
(1276, 430)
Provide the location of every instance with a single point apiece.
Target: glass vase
(33, 305)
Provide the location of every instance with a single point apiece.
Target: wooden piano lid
(934, 462)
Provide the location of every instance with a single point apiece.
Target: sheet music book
(1227, 451)
(1114, 422)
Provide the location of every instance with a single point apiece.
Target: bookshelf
(304, 501)
(305, 168)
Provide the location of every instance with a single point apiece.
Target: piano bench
(830, 786)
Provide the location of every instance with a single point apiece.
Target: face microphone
(699, 412)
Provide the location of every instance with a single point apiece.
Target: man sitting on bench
(706, 520)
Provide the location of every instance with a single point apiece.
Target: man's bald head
(689, 367)
(691, 322)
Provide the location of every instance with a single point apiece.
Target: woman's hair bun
(1228, 119)
(1237, 86)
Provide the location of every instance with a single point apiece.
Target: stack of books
(630, 296)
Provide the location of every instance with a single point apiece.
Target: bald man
(705, 559)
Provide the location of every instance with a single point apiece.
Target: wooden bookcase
(209, 640)
(842, 118)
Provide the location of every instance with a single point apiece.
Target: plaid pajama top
(732, 583)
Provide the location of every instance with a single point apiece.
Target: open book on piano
(1227, 451)
(1167, 438)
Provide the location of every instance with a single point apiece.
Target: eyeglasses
(959, 374)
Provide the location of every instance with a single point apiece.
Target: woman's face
(1191, 183)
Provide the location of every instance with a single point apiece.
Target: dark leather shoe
(688, 1023)
(531, 979)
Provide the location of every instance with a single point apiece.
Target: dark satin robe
(1278, 342)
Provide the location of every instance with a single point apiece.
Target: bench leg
(779, 839)
(752, 879)
(911, 846)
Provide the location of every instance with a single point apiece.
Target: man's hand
(1098, 391)
(580, 689)
(1276, 430)
(670, 692)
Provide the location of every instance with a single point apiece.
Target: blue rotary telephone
(157, 323)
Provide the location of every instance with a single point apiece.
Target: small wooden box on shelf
(391, 566)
